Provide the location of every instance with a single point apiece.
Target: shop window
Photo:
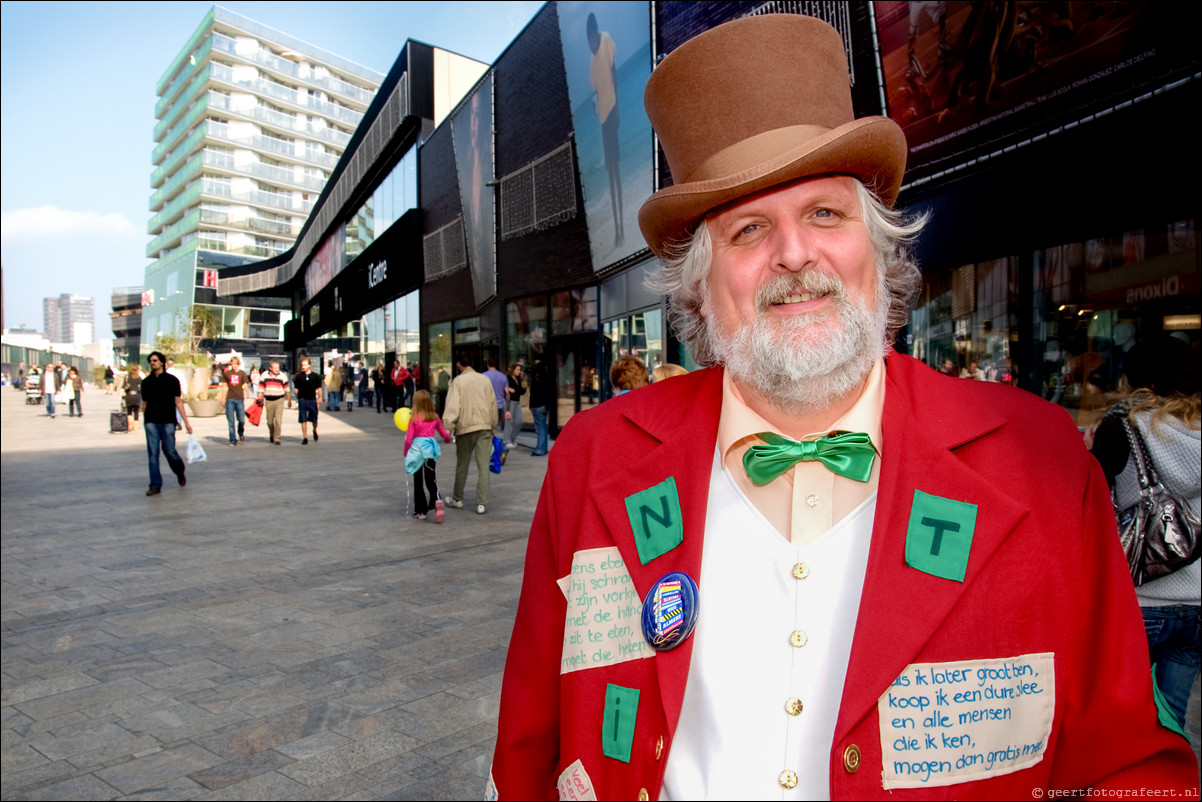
(526, 335)
(966, 321)
(440, 369)
(574, 311)
(1094, 300)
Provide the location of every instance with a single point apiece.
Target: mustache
(814, 282)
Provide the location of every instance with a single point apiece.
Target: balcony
(246, 250)
(259, 225)
(284, 94)
(173, 233)
(198, 62)
(171, 163)
(177, 108)
(181, 178)
(284, 67)
(177, 130)
(171, 210)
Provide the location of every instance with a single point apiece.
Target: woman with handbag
(75, 398)
(1160, 399)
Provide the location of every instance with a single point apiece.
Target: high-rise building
(68, 319)
(126, 319)
(250, 123)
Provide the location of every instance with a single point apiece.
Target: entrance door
(577, 381)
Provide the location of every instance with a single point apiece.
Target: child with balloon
(422, 452)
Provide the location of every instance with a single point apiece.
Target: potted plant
(199, 322)
(205, 404)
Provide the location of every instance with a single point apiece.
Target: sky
(77, 96)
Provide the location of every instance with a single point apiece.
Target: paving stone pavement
(278, 629)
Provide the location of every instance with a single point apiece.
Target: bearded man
(820, 569)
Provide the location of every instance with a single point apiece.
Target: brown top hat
(752, 104)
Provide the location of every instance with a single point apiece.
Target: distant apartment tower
(250, 123)
(126, 319)
(68, 319)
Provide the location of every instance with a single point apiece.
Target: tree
(203, 324)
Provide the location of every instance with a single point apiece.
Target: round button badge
(670, 611)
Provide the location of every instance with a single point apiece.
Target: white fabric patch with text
(946, 723)
(603, 624)
(574, 784)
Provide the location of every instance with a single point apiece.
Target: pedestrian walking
(273, 392)
(108, 379)
(333, 386)
(471, 415)
(234, 386)
(348, 386)
(50, 387)
(162, 405)
(132, 390)
(421, 455)
(307, 386)
(513, 406)
(379, 384)
(500, 386)
(399, 376)
(542, 396)
(75, 397)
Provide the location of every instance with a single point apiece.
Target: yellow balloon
(401, 418)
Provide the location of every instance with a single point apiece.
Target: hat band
(753, 151)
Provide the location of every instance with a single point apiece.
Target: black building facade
(1048, 142)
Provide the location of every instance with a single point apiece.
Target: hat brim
(872, 149)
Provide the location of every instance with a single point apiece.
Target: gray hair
(682, 276)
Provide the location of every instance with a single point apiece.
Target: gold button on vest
(787, 779)
(643, 795)
(851, 759)
(659, 747)
(793, 706)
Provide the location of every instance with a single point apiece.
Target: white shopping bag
(194, 452)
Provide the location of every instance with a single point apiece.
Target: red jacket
(1045, 574)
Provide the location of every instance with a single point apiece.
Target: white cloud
(51, 221)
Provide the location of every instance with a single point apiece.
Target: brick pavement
(278, 629)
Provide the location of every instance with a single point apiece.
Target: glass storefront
(1059, 321)
(1094, 300)
(639, 335)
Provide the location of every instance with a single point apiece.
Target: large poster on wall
(964, 78)
(326, 263)
(607, 59)
(471, 130)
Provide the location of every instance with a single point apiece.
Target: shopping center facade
(1049, 142)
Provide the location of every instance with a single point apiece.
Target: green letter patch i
(939, 537)
(617, 726)
(655, 518)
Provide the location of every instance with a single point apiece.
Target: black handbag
(1159, 532)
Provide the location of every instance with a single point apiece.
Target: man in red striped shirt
(273, 391)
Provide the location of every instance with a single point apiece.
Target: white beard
(801, 363)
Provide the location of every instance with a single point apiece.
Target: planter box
(204, 408)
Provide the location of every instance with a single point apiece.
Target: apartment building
(250, 123)
(69, 319)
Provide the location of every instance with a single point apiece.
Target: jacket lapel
(685, 425)
(902, 607)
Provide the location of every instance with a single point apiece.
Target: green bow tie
(849, 454)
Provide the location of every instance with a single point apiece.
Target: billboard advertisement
(326, 263)
(471, 130)
(963, 79)
(607, 59)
